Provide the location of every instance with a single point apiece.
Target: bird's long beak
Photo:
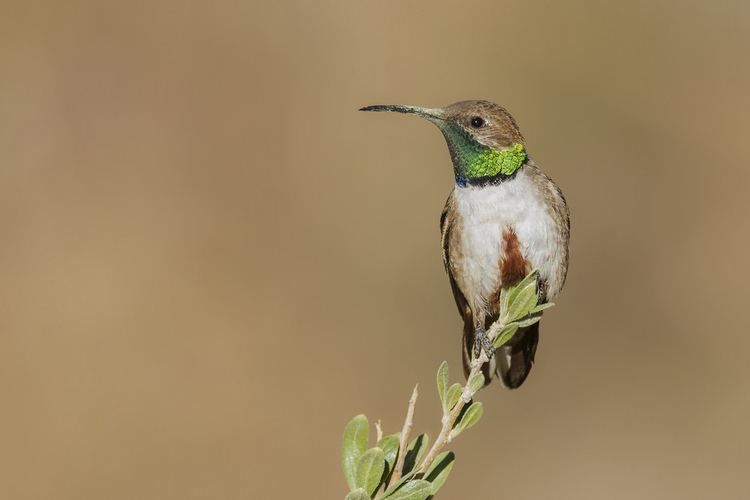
(428, 113)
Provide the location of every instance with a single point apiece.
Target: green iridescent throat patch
(491, 162)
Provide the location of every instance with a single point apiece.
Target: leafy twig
(385, 465)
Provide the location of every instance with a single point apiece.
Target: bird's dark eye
(477, 121)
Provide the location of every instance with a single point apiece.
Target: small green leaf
(369, 470)
(506, 295)
(510, 295)
(418, 489)
(438, 472)
(442, 381)
(471, 417)
(505, 335)
(524, 302)
(400, 482)
(358, 494)
(356, 434)
(416, 449)
(529, 320)
(453, 395)
(476, 381)
(389, 445)
(473, 414)
(542, 307)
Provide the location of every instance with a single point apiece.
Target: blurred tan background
(210, 261)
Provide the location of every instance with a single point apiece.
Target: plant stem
(404, 442)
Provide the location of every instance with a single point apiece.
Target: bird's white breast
(484, 213)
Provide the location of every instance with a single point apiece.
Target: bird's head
(483, 138)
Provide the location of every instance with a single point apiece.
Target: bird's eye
(477, 121)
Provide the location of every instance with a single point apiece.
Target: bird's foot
(482, 343)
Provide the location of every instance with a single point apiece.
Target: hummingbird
(503, 218)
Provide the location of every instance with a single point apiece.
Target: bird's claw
(482, 343)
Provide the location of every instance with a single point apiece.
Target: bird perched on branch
(504, 218)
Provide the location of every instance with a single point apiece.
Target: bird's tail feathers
(515, 359)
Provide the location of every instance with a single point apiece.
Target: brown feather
(513, 265)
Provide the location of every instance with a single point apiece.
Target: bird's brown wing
(447, 225)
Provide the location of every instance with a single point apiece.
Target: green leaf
(542, 307)
(369, 470)
(529, 320)
(476, 381)
(442, 381)
(453, 395)
(471, 417)
(510, 295)
(505, 335)
(416, 449)
(438, 472)
(354, 445)
(418, 489)
(504, 303)
(389, 445)
(524, 302)
(358, 494)
(400, 482)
